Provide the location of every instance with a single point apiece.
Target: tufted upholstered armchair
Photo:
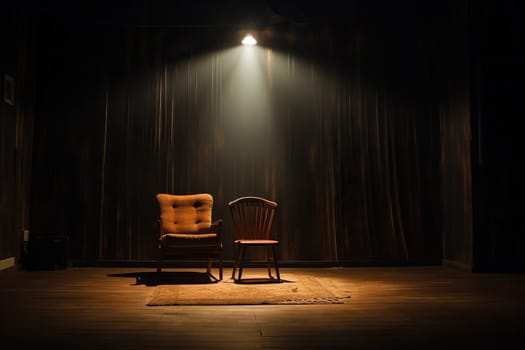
(187, 230)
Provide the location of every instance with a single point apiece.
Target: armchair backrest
(191, 213)
(252, 217)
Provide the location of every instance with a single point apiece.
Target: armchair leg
(160, 257)
(210, 266)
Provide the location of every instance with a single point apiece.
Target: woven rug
(292, 290)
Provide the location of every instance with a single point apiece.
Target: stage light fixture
(249, 40)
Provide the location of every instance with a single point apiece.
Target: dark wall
(498, 70)
(17, 60)
(364, 132)
(456, 169)
(344, 132)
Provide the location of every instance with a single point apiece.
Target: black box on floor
(48, 252)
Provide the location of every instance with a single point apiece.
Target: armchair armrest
(216, 227)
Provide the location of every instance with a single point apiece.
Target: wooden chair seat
(256, 242)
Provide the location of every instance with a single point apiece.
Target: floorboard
(436, 307)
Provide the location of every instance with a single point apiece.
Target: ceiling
(193, 13)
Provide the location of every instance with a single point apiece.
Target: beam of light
(249, 40)
(259, 103)
(246, 99)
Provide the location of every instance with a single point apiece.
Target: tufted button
(197, 204)
(198, 221)
(174, 205)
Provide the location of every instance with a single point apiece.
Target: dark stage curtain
(341, 128)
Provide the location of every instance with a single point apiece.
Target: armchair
(187, 231)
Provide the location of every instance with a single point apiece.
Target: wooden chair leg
(269, 262)
(241, 262)
(220, 268)
(276, 264)
(236, 262)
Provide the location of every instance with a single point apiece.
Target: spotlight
(249, 40)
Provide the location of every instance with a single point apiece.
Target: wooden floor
(390, 308)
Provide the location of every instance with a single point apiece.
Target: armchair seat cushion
(173, 240)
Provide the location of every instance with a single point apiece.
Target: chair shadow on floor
(262, 280)
(152, 279)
